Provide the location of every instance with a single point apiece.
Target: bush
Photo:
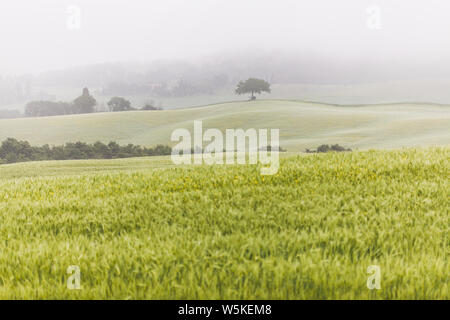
(150, 107)
(269, 148)
(324, 148)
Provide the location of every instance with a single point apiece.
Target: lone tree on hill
(252, 86)
(85, 103)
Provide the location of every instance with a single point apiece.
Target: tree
(85, 103)
(47, 108)
(252, 86)
(119, 104)
(13, 150)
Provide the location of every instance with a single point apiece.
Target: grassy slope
(310, 231)
(302, 124)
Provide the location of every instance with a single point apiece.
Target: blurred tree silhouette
(252, 85)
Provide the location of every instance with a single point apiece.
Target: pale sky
(38, 35)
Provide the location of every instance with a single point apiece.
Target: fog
(411, 36)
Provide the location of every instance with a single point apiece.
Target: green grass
(77, 167)
(302, 125)
(139, 228)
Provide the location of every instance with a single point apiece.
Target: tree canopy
(47, 108)
(119, 104)
(85, 103)
(12, 150)
(252, 85)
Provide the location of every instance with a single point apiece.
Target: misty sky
(43, 34)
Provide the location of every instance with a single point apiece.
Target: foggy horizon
(409, 42)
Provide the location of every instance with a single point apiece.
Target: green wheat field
(144, 229)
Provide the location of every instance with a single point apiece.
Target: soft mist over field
(176, 54)
(224, 149)
(41, 35)
(324, 41)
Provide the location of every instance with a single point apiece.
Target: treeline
(83, 104)
(48, 108)
(186, 85)
(86, 103)
(118, 104)
(13, 150)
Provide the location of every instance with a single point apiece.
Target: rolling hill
(302, 124)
